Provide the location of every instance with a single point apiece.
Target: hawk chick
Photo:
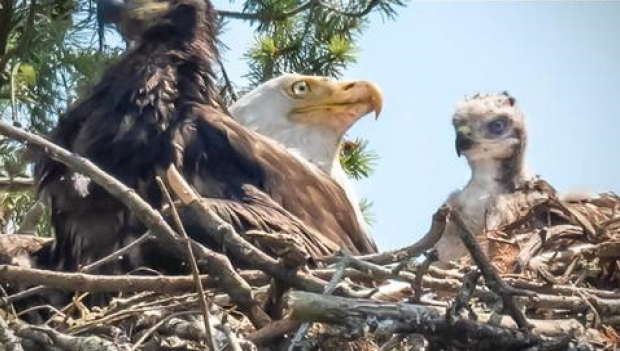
(491, 134)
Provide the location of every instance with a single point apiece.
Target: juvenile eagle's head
(135, 17)
(308, 114)
(489, 127)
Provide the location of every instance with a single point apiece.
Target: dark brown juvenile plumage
(157, 106)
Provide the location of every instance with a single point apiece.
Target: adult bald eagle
(309, 115)
(157, 106)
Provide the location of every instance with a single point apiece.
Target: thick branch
(113, 283)
(408, 318)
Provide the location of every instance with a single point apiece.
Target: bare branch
(112, 283)
(194, 267)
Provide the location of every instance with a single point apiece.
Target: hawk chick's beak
(464, 141)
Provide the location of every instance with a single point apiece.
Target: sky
(560, 59)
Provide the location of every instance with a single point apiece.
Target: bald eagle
(157, 107)
(310, 115)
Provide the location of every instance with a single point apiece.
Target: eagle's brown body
(156, 106)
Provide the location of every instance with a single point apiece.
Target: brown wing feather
(221, 158)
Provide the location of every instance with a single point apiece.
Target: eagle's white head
(309, 115)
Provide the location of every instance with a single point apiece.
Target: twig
(53, 338)
(8, 340)
(116, 254)
(491, 277)
(310, 307)
(154, 328)
(461, 301)
(108, 283)
(384, 318)
(329, 289)
(438, 225)
(273, 331)
(194, 266)
(478, 336)
(40, 289)
(420, 272)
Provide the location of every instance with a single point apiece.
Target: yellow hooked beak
(325, 101)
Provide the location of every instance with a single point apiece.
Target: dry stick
(219, 265)
(54, 340)
(116, 254)
(154, 328)
(273, 331)
(85, 269)
(172, 284)
(194, 266)
(8, 340)
(224, 234)
(491, 277)
(113, 283)
(420, 272)
(438, 226)
(400, 318)
(329, 289)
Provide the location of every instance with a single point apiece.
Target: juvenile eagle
(157, 106)
(310, 115)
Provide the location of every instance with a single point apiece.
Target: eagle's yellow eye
(300, 88)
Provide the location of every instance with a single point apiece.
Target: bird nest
(541, 278)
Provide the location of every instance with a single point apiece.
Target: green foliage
(49, 54)
(310, 37)
(366, 207)
(357, 159)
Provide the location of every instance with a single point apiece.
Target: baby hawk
(520, 221)
(309, 115)
(491, 134)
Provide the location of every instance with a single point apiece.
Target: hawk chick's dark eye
(300, 88)
(498, 126)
